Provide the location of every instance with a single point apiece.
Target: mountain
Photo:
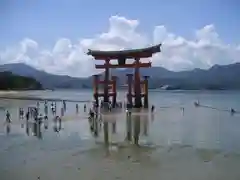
(47, 80)
(216, 77)
(9, 81)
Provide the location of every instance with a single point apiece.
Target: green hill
(9, 81)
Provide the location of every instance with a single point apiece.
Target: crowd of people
(38, 117)
(33, 114)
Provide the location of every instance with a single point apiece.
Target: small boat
(232, 110)
(196, 103)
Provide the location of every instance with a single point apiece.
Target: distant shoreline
(3, 93)
(40, 99)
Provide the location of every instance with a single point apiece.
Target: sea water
(194, 143)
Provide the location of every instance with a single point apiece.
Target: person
(45, 108)
(35, 114)
(109, 107)
(77, 108)
(85, 107)
(55, 107)
(52, 107)
(8, 121)
(152, 108)
(64, 105)
(127, 112)
(22, 113)
(8, 117)
(27, 115)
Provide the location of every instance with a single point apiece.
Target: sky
(54, 35)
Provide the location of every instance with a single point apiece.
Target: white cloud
(178, 53)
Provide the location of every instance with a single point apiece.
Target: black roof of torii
(145, 52)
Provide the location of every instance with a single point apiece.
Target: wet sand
(197, 145)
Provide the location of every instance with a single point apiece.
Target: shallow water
(199, 143)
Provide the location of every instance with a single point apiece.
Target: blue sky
(48, 20)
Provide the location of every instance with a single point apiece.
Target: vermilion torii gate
(122, 56)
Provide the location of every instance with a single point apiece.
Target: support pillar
(146, 105)
(106, 83)
(137, 85)
(95, 89)
(114, 90)
(129, 95)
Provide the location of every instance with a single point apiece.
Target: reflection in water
(27, 128)
(136, 120)
(105, 130)
(114, 127)
(45, 122)
(183, 110)
(57, 127)
(207, 155)
(95, 127)
(91, 124)
(145, 125)
(143, 161)
(129, 126)
(152, 117)
(8, 128)
(133, 126)
(37, 131)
